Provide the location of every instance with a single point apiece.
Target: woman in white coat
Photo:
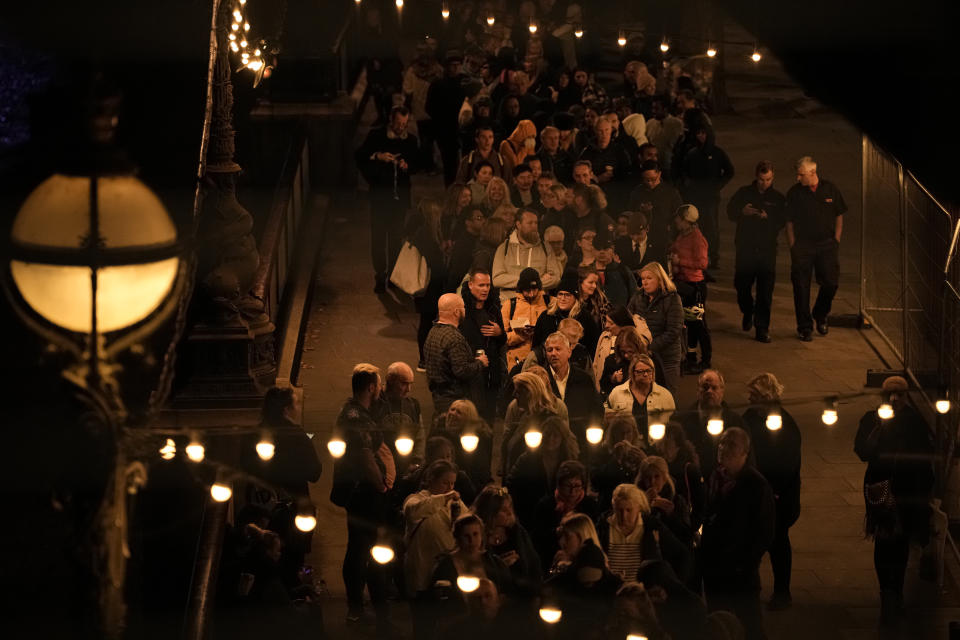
(641, 396)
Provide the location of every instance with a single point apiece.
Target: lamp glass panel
(126, 294)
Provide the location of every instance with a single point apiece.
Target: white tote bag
(411, 272)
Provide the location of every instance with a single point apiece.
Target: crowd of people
(569, 262)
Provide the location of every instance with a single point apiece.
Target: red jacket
(690, 256)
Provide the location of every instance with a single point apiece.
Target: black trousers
(890, 556)
(698, 333)
(762, 270)
(386, 228)
(781, 559)
(360, 570)
(821, 260)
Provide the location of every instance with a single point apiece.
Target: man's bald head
(450, 309)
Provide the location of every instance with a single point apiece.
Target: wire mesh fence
(910, 276)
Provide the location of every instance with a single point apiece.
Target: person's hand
(554, 94)
(750, 210)
(763, 214)
(646, 207)
(663, 504)
(491, 330)
(484, 360)
(403, 164)
(510, 558)
(384, 156)
(617, 376)
(651, 495)
(451, 496)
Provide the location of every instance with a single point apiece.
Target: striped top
(625, 553)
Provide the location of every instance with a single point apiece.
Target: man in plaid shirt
(450, 362)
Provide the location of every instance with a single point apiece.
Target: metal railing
(910, 284)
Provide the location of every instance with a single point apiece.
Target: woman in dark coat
(684, 469)
(535, 471)
(776, 447)
(508, 540)
(657, 302)
(428, 240)
(897, 487)
(569, 496)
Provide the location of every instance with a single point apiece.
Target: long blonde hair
(581, 525)
(666, 284)
(597, 304)
(660, 464)
(630, 493)
(541, 398)
(432, 212)
(486, 193)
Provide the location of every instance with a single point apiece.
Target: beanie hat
(529, 279)
(570, 282)
(895, 383)
(689, 213)
(620, 316)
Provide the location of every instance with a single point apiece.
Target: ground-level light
(714, 426)
(468, 584)
(594, 435)
(337, 447)
(533, 438)
(382, 554)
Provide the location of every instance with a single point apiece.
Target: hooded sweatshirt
(513, 150)
(635, 126)
(517, 346)
(514, 255)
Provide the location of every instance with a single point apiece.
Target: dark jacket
(560, 164)
(444, 99)
(424, 241)
(777, 455)
(546, 519)
(619, 285)
(664, 316)
(461, 258)
(659, 204)
(689, 482)
(584, 404)
(652, 253)
(526, 571)
(695, 426)
(475, 318)
(379, 175)
(899, 450)
(737, 531)
(704, 171)
(757, 237)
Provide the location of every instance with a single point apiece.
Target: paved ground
(834, 586)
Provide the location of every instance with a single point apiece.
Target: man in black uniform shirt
(814, 213)
(758, 211)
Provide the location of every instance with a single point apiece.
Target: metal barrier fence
(910, 280)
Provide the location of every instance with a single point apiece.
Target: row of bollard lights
(221, 489)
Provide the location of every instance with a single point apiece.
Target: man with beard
(523, 249)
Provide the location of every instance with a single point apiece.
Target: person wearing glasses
(569, 496)
(641, 396)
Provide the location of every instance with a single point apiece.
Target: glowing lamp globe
(533, 27)
(664, 46)
(195, 451)
(636, 636)
(829, 417)
(169, 450)
(533, 438)
(305, 523)
(622, 41)
(337, 447)
(711, 52)
(942, 406)
(490, 20)
(220, 492)
(550, 615)
(594, 435)
(715, 426)
(127, 241)
(578, 32)
(469, 442)
(774, 422)
(445, 13)
(265, 449)
(755, 56)
(382, 554)
(885, 411)
(404, 445)
(657, 430)
(468, 584)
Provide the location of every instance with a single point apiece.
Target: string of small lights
(241, 42)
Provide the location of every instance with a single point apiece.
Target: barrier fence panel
(910, 290)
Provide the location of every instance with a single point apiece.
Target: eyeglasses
(643, 372)
(571, 487)
(564, 294)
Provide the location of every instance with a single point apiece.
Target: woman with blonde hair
(776, 443)
(506, 212)
(533, 402)
(669, 506)
(496, 194)
(627, 346)
(626, 532)
(640, 395)
(658, 303)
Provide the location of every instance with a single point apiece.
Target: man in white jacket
(524, 249)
